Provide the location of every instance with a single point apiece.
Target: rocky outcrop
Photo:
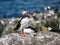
(16, 39)
(47, 38)
(9, 39)
(41, 38)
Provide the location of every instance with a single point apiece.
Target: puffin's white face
(49, 7)
(24, 12)
(45, 8)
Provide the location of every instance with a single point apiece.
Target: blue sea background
(13, 8)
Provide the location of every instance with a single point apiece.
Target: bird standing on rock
(24, 23)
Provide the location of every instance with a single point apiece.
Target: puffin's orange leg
(22, 33)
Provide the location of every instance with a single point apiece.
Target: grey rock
(41, 38)
(16, 39)
(47, 38)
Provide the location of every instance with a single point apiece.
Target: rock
(10, 39)
(16, 39)
(47, 38)
(41, 38)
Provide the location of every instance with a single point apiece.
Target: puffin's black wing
(17, 26)
(32, 28)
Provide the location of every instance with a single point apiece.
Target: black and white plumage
(24, 23)
(56, 31)
(53, 30)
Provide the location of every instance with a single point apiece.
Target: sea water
(13, 8)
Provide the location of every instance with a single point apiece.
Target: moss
(54, 24)
(58, 14)
(1, 28)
